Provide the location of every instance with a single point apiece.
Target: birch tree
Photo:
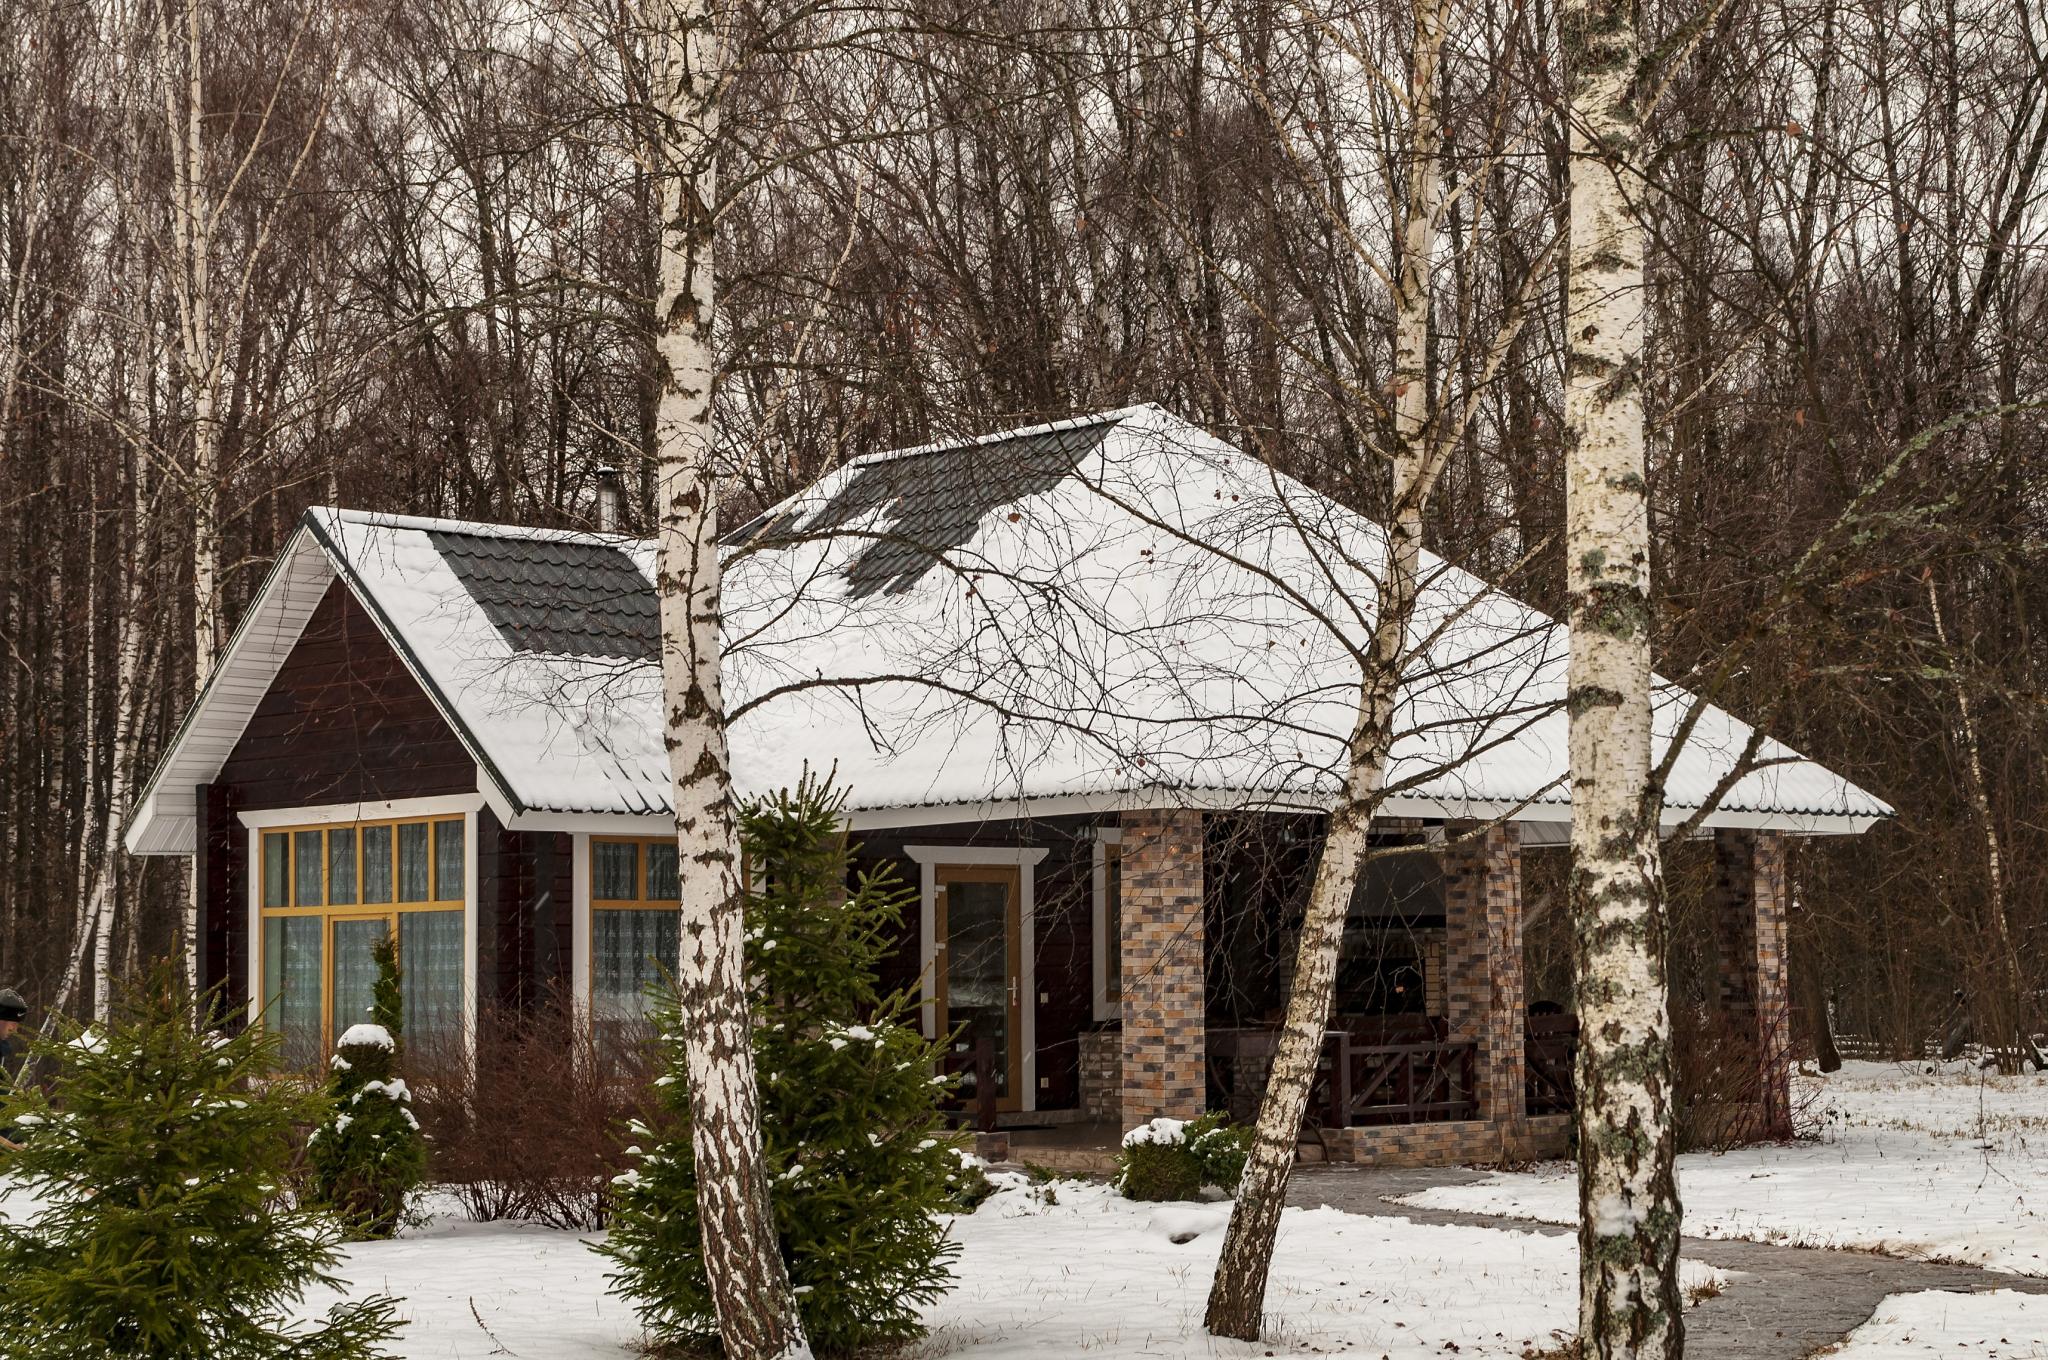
(757, 1313)
(1629, 1302)
(1421, 447)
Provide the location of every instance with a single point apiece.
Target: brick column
(1165, 1037)
(1483, 991)
(1749, 891)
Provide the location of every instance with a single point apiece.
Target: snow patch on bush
(1162, 1131)
(365, 1036)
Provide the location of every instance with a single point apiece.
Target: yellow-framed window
(329, 894)
(635, 924)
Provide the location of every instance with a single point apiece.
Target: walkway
(1786, 1302)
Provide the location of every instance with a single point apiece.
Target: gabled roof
(1111, 611)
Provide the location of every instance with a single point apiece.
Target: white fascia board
(165, 822)
(966, 855)
(374, 811)
(588, 823)
(1531, 816)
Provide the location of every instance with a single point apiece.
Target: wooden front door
(978, 969)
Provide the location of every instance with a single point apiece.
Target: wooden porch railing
(1406, 1076)
(1410, 1083)
(1549, 1051)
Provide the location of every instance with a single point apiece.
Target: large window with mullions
(635, 921)
(330, 894)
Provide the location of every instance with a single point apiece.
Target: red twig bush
(538, 1124)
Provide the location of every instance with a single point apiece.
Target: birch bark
(1238, 1293)
(1629, 1303)
(749, 1282)
(192, 226)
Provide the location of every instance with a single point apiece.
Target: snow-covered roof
(1114, 611)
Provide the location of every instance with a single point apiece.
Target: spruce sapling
(851, 1119)
(150, 1220)
(367, 1157)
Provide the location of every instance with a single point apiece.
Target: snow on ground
(1926, 1161)
(1067, 1268)
(2003, 1325)
(1089, 1273)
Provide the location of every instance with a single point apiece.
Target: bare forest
(257, 257)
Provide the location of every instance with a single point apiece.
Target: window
(330, 894)
(1109, 924)
(635, 922)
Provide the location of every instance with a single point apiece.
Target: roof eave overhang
(310, 559)
(1207, 800)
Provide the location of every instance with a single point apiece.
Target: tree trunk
(2015, 1014)
(192, 227)
(749, 1282)
(1629, 1303)
(1237, 1295)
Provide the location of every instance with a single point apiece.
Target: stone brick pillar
(1165, 1037)
(1483, 991)
(1749, 891)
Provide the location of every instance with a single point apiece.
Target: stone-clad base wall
(1452, 1142)
(1102, 1075)
(1165, 1032)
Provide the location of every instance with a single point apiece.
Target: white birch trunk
(2016, 1010)
(1237, 1294)
(757, 1313)
(1629, 1302)
(192, 225)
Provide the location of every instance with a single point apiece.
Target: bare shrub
(1722, 1100)
(537, 1125)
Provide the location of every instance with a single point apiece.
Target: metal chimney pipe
(608, 494)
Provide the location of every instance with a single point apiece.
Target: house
(1086, 683)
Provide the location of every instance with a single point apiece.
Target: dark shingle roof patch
(931, 501)
(560, 596)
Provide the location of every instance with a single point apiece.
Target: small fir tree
(863, 1167)
(367, 1157)
(149, 1219)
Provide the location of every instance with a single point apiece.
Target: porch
(1433, 1054)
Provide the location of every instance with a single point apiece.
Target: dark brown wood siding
(524, 925)
(344, 721)
(222, 870)
(1063, 930)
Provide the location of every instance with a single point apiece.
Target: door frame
(1024, 859)
(1012, 878)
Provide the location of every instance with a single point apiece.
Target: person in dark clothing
(13, 1010)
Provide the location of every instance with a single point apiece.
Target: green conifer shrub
(148, 1218)
(367, 1157)
(862, 1165)
(1169, 1159)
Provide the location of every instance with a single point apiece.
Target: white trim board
(1106, 1007)
(1025, 858)
(390, 809)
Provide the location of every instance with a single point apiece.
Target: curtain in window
(661, 873)
(448, 862)
(277, 869)
(430, 968)
(341, 865)
(412, 862)
(291, 986)
(376, 864)
(632, 949)
(306, 862)
(355, 971)
(615, 871)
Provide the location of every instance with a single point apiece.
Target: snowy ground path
(1780, 1303)
(1921, 1161)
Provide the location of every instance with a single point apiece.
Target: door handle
(1013, 992)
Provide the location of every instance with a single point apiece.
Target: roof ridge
(379, 519)
(1114, 416)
